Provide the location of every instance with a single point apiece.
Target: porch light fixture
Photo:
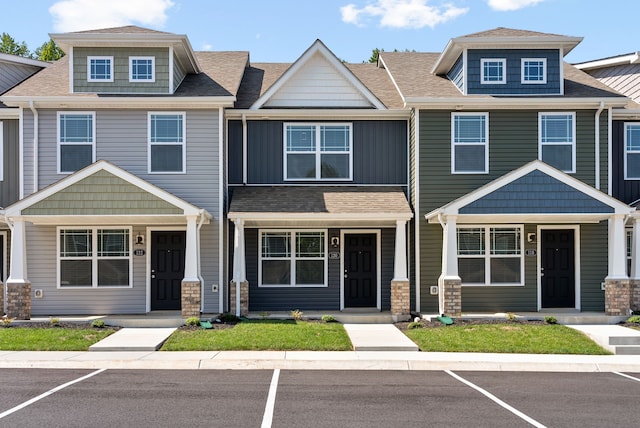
(531, 238)
(139, 239)
(335, 241)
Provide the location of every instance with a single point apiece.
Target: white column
(400, 262)
(450, 248)
(191, 251)
(239, 263)
(635, 249)
(617, 248)
(18, 268)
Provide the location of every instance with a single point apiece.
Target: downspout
(597, 143)
(198, 258)
(244, 149)
(609, 156)
(35, 145)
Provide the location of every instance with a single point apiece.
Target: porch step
(617, 339)
(378, 337)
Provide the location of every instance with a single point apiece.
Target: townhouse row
(139, 175)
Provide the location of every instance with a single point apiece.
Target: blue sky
(281, 30)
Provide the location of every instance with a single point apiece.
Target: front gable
(318, 79)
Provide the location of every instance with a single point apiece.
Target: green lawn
(263, 335)
(50, 339)
(505, 338)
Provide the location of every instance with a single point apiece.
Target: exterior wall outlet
(602, 286)
(214, 288)
(38, 293)
(433, 290)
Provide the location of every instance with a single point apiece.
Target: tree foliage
(49, 51)
(375, 53)
(9, 45)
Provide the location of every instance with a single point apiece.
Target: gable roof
(336, 71)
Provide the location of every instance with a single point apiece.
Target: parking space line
(267, 419)
(627, 376)
(48, 393)
(497, 400)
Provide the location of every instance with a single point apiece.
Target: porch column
(617, 284)
(239, 290)
(635, 265)
(191, 286)
(450, 284)
(400, 290)
(18, 287)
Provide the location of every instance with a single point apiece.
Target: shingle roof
(319, 200)
(127, 29)
(511, 32)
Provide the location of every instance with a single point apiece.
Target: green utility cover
(445, 320)
(205, 324)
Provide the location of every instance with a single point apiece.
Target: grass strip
(505, 338)
(50, 339)
(263, 335)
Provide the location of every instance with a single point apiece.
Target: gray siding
(379, 153)
(627, 191)
(121, 84)
(178, 73)
(121, 138)
(513, 85)
(11, 74)
(9, 183)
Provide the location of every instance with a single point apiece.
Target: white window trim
(175, 143)
(485, 144)
(572, 142)
(153, 69)
(60, 143)
(1, 150)
(502, 81)
(293, 258)
(523, 79)
(90, 58)
(94, 257)
(488, 256)
(626, 152)
(318, 153)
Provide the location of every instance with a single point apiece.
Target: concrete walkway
(134, 339)
(378, 337)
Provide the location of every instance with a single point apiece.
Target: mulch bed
(66, 325)
(438, 324)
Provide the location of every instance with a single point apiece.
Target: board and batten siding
(379, 153)
(121, 83)
(513, 142)
(9, 180)
(121, 138)
(628, 191)
(593, 265)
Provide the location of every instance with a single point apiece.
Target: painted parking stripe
(627, 376)
(497, 400)
(48, 393)
(271, 400)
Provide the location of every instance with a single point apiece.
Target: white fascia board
(24, 61)
(632, 58)
(9, 113)
(93, 101)
(143, 219)
(314, 114)
(393, 80)
(562, 218)
(286, 217)
(625, 114)
(555, 101)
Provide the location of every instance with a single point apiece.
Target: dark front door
(360, 271)
(558, 269)
(167, 269)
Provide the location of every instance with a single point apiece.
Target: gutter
(244, 149)
(597, 144)
(35, 145)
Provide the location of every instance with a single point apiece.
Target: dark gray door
(558, 269)
(167, 269)
(360, 271)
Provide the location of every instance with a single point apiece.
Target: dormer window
(493, 71)
(142, 69)
(100, 69)
(534, 70)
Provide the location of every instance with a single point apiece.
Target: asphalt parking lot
(309, 398)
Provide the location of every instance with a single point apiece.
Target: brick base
(190, 299)
(400, 299)
(244, 298)
(2, 298)
(452, 294)
(635, 295)
(617, 297)
(19, 300)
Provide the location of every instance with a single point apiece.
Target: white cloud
(77, 15)
(507, 5)
(401, 13)
(207, 47)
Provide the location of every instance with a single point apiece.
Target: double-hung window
(557, 140)
(317, 151)
(100, 69)
(632, 151)
(142, 69)
(167, 143)
(94, 257)
(76, 141)
(469, 143)
(534, 70)
(493, 71)
(490, 255)
(293, 258)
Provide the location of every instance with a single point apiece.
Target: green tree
(9, 45)
(376, 52)
(49, 51)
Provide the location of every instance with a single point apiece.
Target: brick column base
(635, 295)
(190, 299)
(244, 298)
(617, 297)
(19, 300)
(452, 294)
(400, 300)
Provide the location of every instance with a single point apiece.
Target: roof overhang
(320, 114)
(120, 102)
(22, 60)
(469, 103)
(56, 220)
(626, 114)
(456, 46)
(9, 113)
(632, 58)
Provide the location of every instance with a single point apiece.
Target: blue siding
(456, 74)
(536, 192)
(627, 191)
(513, 86)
